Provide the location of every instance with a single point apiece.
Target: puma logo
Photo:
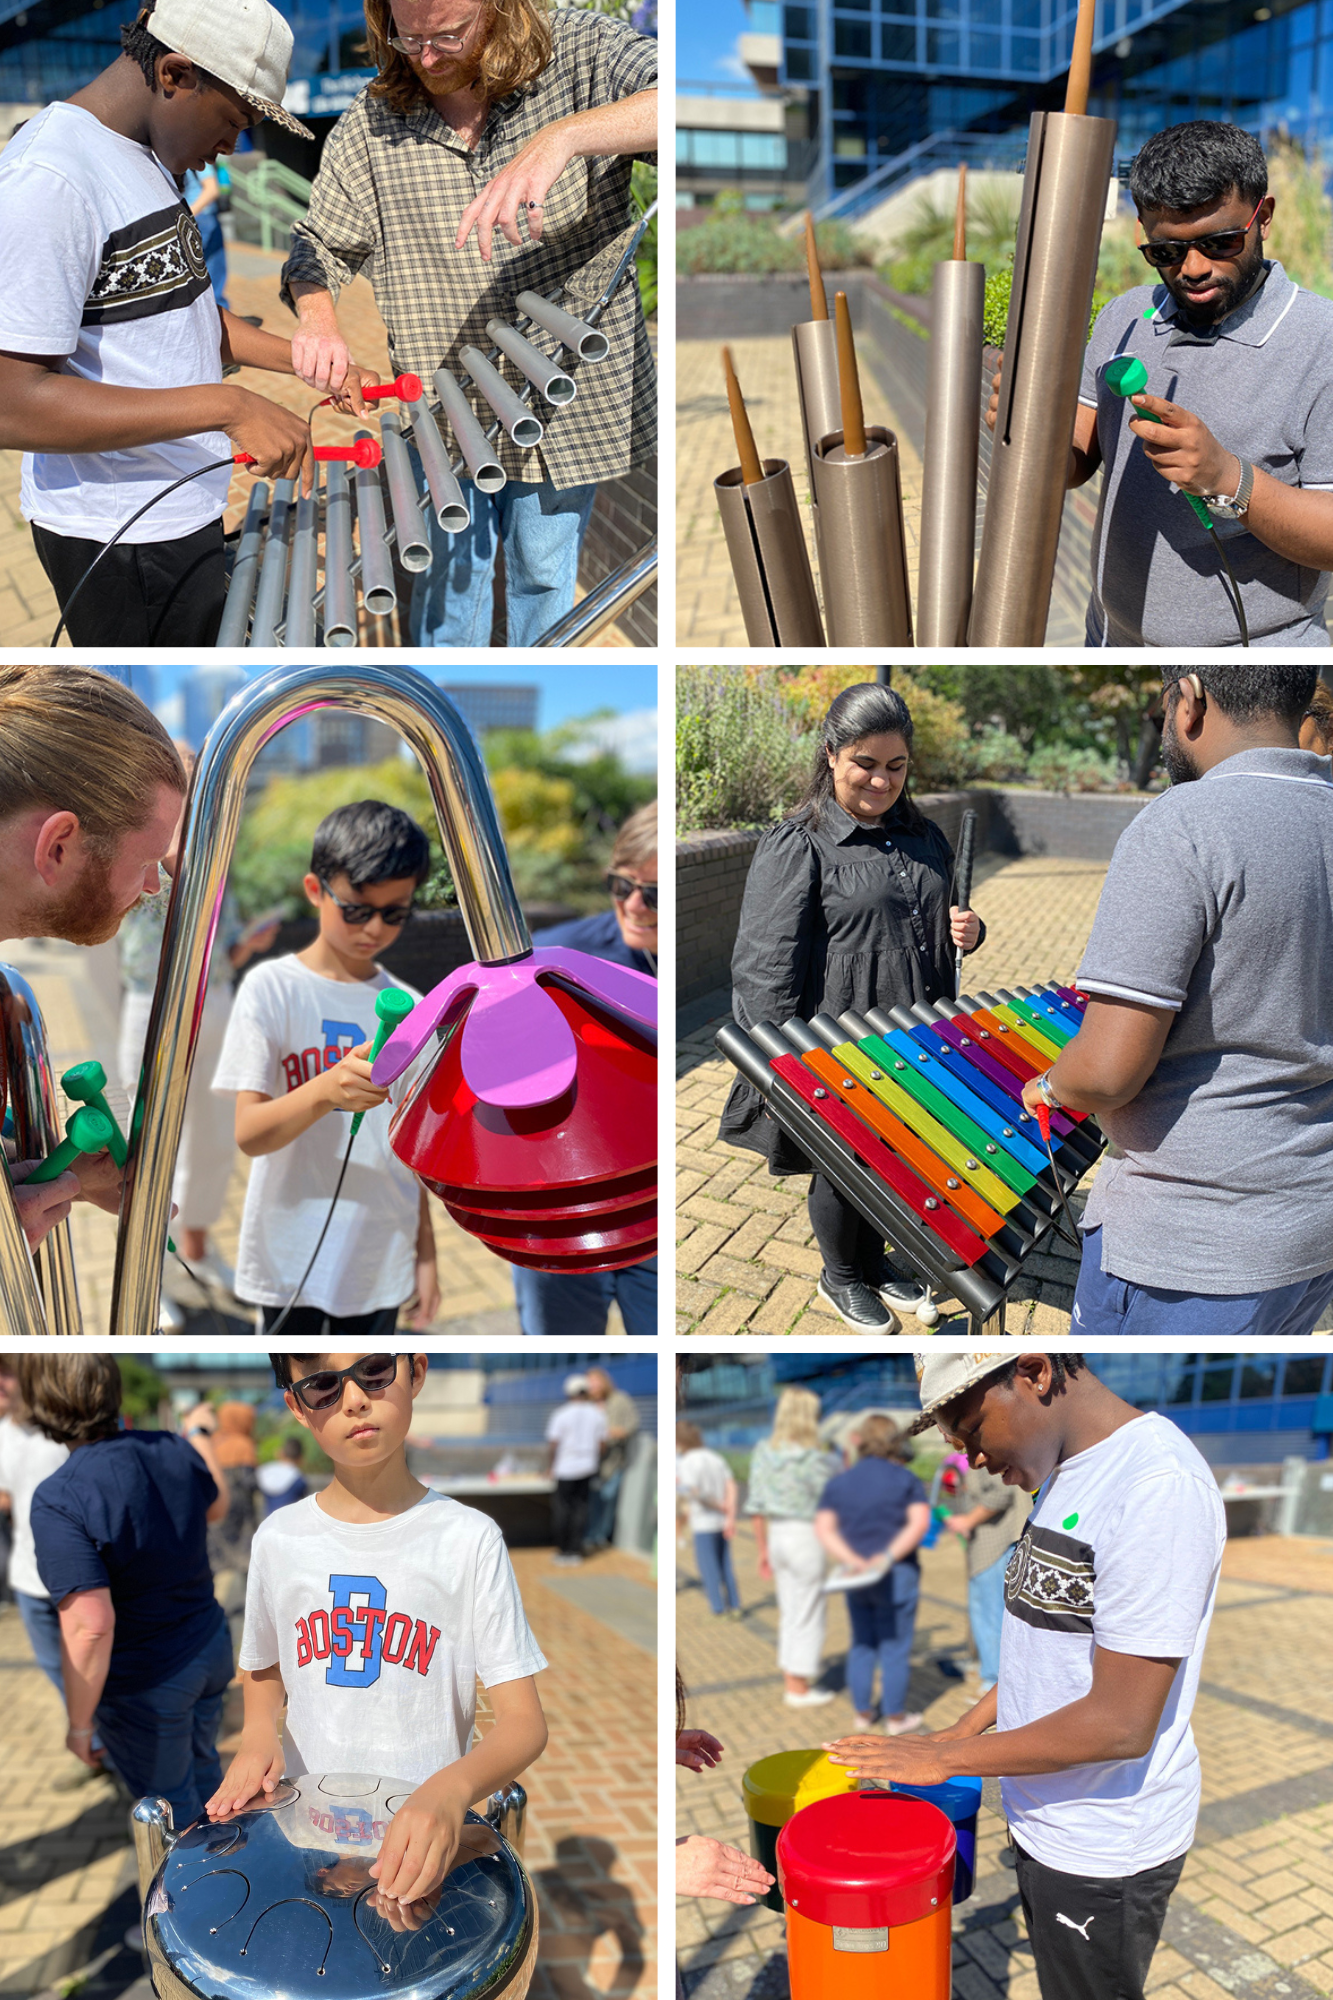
(1082, 1929)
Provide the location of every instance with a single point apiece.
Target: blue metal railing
(1002, 152)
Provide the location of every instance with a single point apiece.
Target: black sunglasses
(324, 1389)
(361, 913)
(621, 888)
(1175, 249)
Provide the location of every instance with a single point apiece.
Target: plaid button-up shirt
(387, 201)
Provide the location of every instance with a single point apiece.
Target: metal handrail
(604, 602)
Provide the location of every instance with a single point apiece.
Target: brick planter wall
(624, 517)
(710, 881)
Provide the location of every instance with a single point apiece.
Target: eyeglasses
(440, 45)
(1174, 250)
(324, 1389)
(361, 913)
(622, 887)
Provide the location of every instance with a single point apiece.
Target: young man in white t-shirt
(372, 1609)
(112, 349)
(575, 1434)
(295, 1056)
(1108, 1598)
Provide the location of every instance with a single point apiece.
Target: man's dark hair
(1246, 694)
(71, 1398)
(1197, 165)
(284, 1371)
(369, 842)
(145, 50)
(1063, 1369)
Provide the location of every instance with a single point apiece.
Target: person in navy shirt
(875, 1510)
(551, 1302)
(120, 1532)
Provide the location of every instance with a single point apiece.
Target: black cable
(214, 465)
(1237, 605)
(195, 1279)
(280, 1321)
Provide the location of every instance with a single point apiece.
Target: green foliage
(142, 1391)
(995, 311)
(1058, 768)
(738, 239)
(927, 239)
(271, 1432)
(1302, 214)
(742, 755)
(643, 193)
(997, 756)
(1027, 702)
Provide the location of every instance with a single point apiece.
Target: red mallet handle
(366, 452)
(407, 386)
(1044, 1122)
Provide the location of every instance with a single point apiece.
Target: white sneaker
(903, 1724)
(170, 1317)
(812, 1698)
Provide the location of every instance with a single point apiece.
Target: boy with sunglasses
(372, 1610)
(295, 1052)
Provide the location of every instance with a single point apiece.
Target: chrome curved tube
(38, 1293)
(469, 830)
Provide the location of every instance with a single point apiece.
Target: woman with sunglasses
(295, 1052)
(1238, 413)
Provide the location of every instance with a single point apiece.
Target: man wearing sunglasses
(1240, 374)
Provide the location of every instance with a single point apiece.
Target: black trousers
(1093, 1938)
(144, 593)
(569, 1514)
(357, 1329)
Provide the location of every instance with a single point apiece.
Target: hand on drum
(422, 1841)
(697, 1750)
(909, 1760)
(707, 1867)
(965, 929)
(256, 1769)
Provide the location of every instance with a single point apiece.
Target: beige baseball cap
(942, 1378)
(244, 43)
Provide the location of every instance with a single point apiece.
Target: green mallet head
(88, 1131)
(86, 1084)
(392, 1007)
(1127, 376)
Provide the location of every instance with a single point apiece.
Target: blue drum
(959, 1799)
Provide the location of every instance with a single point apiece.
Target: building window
(798, 24)
(987, 50)
(897, 42)
(850, 146)
(851, 38)
(1303, 1376)
(800, 65)
(942, 47)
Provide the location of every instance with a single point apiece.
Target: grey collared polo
(1263, 384)
(1218, 904)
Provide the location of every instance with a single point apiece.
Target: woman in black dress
(846, 906)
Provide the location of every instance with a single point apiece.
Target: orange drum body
(868, 1882)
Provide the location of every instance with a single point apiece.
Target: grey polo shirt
(1219, 905)
(1263, 384)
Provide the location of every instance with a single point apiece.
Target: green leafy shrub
(1055, 767)
(927, 239)
(643, 193)
(742, 755)
(995, 311)
(741, 240)
(997, 756)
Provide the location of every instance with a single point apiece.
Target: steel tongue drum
(535, 1120)
(278, 1899)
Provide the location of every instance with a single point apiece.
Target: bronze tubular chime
(859, 513)
(815, 353)
(765, 538)
(953, 420)
(1055, 264)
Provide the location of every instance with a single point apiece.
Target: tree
(1125, 696)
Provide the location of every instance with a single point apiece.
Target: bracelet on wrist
(1044, 1086)
(78, 1732)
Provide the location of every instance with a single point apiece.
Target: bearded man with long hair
(491, 155)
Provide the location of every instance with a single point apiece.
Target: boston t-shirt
(101, 262)
(127, 1514)
(1122, 1550)
(381, 1630)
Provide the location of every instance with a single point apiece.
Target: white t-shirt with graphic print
(1122, 1550)
(102, 263)
(287, 1025)
(382, 1630)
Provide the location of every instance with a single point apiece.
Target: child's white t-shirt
(102, 262)
(1122, 1550)
(381, 1630)
(287, 1025)
(576, 1430)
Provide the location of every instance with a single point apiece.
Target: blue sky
(706, 32)
(566, 690)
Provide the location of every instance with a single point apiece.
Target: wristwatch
(1238, 505)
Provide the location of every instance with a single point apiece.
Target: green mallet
(86, 1084)
(1127, 376)
(88, 1131)
(393, 1007)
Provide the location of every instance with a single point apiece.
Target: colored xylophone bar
(916, 1116)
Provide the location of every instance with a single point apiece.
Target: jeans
(883, 1620)
(602, 1509)
(41, 1622)
(1082, 1959)
(985, 1610)
(576, 1305)
(569, 1514)
(1107, 1307)
(541, 530)
(160, 1741)
(713, 1554)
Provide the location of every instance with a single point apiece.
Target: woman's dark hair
(864, 710)
(71, 1398)
(1197, 165)
(369, 842)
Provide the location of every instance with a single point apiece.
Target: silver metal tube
(339, 589)
(949, 480)
(154, 1837)
(769, 559)
(488, 475)
(469, 831)
(575, 334)
(545, 375)
(272, 589)
(506, 1811)
(413, 547)
(245, 569)
(862, 542)
(378, 592)
(514, 414)
(600, 608)
(25, 1057)
(446, 494)
(299, 629)
(814, 344)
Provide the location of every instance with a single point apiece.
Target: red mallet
(366, 452)
(408, 387)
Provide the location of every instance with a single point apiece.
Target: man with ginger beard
(90, 793)
(521, 124)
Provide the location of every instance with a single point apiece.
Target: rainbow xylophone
(915, 1114)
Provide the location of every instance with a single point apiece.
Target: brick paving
(745, 1257)
(708, 611)
(1253, 1915)
(591, 1832)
